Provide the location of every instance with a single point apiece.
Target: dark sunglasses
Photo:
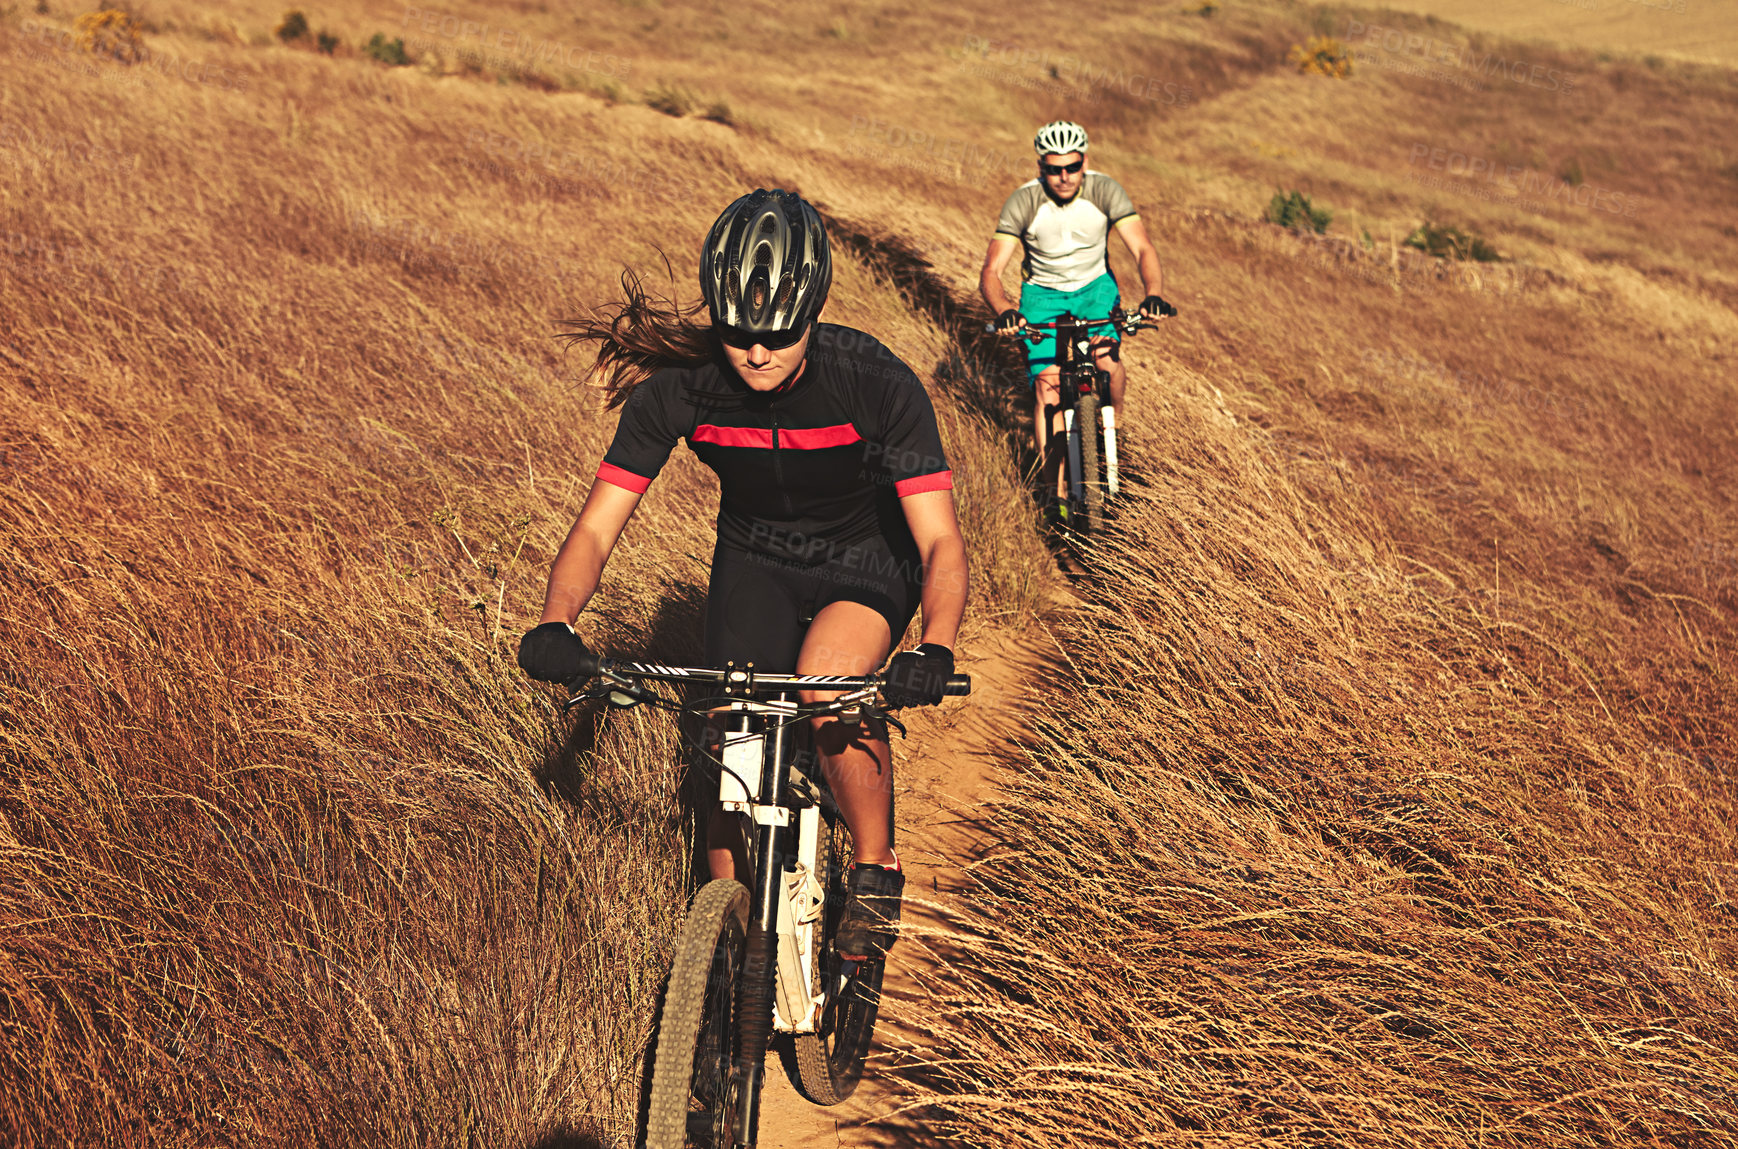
(771, 340)
(1061, 169)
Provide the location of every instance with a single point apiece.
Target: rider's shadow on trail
(574, 771)
(982, 371)
(570, 767)
(568, 1139)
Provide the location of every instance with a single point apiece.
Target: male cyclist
(836, 519)
(1063, 220)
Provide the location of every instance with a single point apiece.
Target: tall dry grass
(1398, 716)
(1313, 843)
(294, 854)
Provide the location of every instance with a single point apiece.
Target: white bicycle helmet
(1059, 137)
(765, 267)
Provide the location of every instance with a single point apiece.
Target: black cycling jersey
(805, 472)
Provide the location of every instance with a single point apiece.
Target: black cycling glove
(918, 677)
(1010, 320)
(553, 653)
(1154, 305)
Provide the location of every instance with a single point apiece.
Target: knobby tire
(1091, 471)
(830, 1061)
(692, 1104)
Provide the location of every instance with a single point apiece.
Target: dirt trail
(943, 775)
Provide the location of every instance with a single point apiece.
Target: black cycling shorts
(759, 607)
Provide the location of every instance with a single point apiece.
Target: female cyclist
(836, 518)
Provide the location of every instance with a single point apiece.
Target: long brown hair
(640, 334)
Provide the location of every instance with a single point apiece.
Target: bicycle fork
(1109, 415)
(1076, 483)
(754, 999)
(1077, 477)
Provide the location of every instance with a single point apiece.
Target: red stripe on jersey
(732, 436)
(816, 438)
(940, 481)
(789, 438)
(627, 480)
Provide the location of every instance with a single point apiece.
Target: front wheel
(693, 1102)
(830, 1060)
(1091, 476)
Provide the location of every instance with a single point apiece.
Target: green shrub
(718, 111)
(294, 26)
(1323, 55)
(112, 33)
(387, 51)
(1451, 243)
(326, 42)
(1296, 212)
(670, 99)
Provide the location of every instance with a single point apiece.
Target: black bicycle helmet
(765, 267)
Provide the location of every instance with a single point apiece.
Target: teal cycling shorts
(1042, 304)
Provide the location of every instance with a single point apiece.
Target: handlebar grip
(958, 685)
(590, 664)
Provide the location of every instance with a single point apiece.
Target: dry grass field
(1706, 30)
(1383, 792)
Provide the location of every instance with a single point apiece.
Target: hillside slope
(1384, 790)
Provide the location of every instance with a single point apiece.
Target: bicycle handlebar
(1128, 322)
(746, 678)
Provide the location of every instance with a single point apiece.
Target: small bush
(718, 111)
(1572, 173)
(389, 52)
(1295, 211)
(1451, 243)
(326, 42)
(670, 99)
(111, 33)
(1205, 8)
(1323, 55)
(293, 27)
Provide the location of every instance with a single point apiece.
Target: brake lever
(620, 692)
(590, 693)
(856, 706)
(887, 718)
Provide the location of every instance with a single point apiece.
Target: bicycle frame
(755, 780)
(1079, 377)
(794, 909)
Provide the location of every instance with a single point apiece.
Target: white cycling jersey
(1067, 245)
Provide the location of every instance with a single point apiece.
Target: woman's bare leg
(849, 638)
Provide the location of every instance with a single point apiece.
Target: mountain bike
(1089, 421)
(755, 959)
